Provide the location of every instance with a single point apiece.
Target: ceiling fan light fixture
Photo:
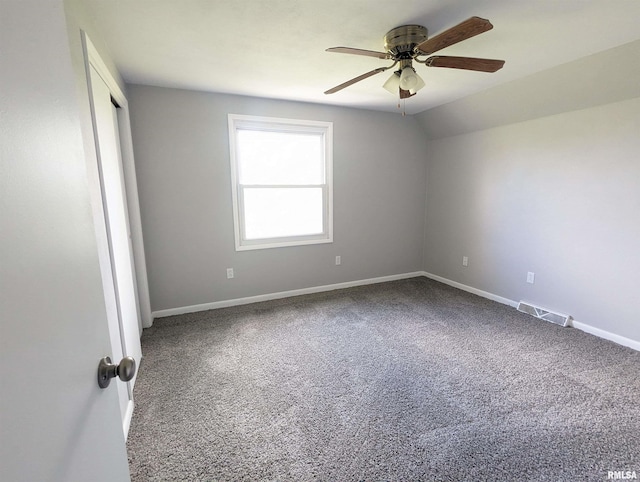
(419, 85)
(393, 83)
(408, 78)
(404, 44)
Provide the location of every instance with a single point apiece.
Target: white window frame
(325, 129)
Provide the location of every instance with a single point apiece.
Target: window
(281, 174)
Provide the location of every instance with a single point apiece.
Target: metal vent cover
(544, 314)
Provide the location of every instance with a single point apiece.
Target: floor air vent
(543, 314)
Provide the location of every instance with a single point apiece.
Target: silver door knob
(125, 371)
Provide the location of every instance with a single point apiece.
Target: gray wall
(182, 156)
(559, 196)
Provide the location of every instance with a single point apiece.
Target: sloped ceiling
(598, 79)
(276, 48)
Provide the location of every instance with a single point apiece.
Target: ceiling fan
(405, 44)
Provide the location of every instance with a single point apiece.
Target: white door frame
(92, 57)
(125, 333)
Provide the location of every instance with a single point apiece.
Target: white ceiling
(276, 48)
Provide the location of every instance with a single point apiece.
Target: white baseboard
(471, 289)
(282, 294)
(621, 340)
(607, 335)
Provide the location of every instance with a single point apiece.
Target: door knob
(125, 371)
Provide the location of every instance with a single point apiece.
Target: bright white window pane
(267, 157)
(282, 212)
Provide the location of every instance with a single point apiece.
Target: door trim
(92, 57)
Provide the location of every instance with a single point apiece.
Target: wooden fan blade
(464, 30)
(368, 53)
(466, 63)
(356, 79)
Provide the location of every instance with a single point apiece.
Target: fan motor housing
(401, 41)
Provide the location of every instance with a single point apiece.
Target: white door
(124, 324)
(56, 424)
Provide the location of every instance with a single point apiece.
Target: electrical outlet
(229, 273)
(465, 261)
(531, 277)
(338, 260)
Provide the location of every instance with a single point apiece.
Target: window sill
(283, 244)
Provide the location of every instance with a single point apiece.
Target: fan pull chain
(403, 107)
